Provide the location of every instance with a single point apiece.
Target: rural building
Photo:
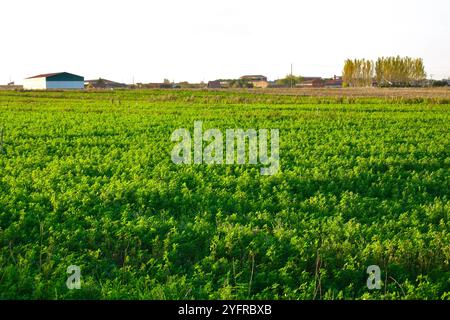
(60, 80)
(307, 82)
(258, 81)
(336, 82)
(103, 84)
(220, 83)
(215, 84)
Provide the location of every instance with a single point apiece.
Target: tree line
(386, 71)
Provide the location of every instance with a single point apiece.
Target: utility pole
(291, 75)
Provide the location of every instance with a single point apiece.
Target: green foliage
(240, 83)
(86, 179)
(289, 80)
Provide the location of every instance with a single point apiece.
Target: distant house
(258, 81)
(59, 80)
(103, 84)
(214, 84)
(336, 82)
(313, 82)
(220, 83)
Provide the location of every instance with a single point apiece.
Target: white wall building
(60, 80)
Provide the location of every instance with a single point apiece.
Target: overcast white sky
(205, 39)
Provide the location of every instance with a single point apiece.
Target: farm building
(59, 80)
(220, 83)
(103, 84)
(315, 82)
(258, 81)
(214, 84)
(336, 82)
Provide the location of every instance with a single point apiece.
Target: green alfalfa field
(86, 179)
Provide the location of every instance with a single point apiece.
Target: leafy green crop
(86, 179)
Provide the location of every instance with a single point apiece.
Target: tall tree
(398, 71)
(358, 73)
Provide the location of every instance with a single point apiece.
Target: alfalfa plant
(1, 140)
